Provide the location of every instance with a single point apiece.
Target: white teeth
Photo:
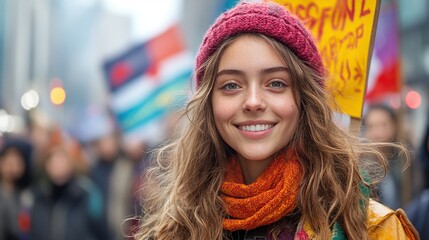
(256, 128)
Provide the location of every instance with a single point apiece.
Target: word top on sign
(344, 31)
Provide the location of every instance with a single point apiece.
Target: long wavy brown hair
(183, 188)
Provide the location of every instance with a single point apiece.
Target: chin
(256, 156)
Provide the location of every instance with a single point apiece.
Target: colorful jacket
(383, 223)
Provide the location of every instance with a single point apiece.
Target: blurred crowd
(53, 186)
(406, 182)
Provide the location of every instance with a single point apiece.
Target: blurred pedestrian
(40, 131)
(423, 156)
(418, 209)
(66, 205)
(138, 151)
(381, 124)
(261, 157)
(15, 178)
(113, 173)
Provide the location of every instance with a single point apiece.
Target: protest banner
(344, 31)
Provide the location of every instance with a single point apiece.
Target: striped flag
(149, 81)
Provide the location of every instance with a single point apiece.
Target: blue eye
(277, 84)
(230, 86)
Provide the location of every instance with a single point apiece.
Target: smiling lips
(255, 127)
(255, 130)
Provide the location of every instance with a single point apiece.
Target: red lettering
(350, 10)
(344, 39)
(333, 45)
(342, 13)
(345, 74)
(323, 16)
(359, 34)
(300, 9)
(336, 16)
(364, 12)
(358, 77)
(312, 18)
(351, 39)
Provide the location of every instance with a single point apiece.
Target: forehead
(12, 153)
(250, 49)
(378, 115)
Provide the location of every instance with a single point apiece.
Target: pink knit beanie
(269, 19)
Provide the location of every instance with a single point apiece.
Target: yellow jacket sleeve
(384, 223)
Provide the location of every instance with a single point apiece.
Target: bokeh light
(413, 99)
(30, 100)
(58, 95)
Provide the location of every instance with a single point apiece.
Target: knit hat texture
(269, 19)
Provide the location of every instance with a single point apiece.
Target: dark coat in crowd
(10, 201)
(423, 157)
(418, 213)
(68, 212)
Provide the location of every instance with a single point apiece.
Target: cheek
(288, 110)
(220, 113)
(223, 110)
(392, 130)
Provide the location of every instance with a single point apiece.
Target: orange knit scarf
(268, 199)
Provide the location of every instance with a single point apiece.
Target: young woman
(260, 156)
(381, 124)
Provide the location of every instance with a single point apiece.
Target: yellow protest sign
(344, 31)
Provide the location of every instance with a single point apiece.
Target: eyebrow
(275, 69)
(262, 72)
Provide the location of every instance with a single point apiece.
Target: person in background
(423, 156)
(40, 127)
(114, 174)
(418, 209)
(15, 178)
(137, 151)
(381, 124)
(66, 205)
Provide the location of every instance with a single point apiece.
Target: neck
(252, 169)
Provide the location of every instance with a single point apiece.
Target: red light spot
(120, 73)
(413, 99)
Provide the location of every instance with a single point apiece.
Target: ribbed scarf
(271, 197)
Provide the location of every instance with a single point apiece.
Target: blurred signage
(344, 31)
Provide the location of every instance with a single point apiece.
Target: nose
(254, 100)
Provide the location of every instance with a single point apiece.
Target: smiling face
(253, 101)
